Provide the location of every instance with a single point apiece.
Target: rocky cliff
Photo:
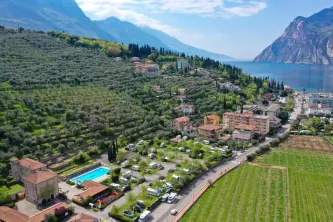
(305, 41)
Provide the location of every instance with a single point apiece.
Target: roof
(246, 127)
(186, 106)
(267, 95)
(319, 106)
(9, 214)
(31, 164)
(92, 191)
(40, 176)
(273, 107)
(275, 120)
(89, 184)
(213, 117)
(39, 217)
(210, 127)
(176, 140)
(242, 135)
(182, 119)
(238, 114)
(83, 218)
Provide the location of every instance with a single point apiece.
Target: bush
(251, 157)
(141, 180)
(171, 170)
(81, 158)
(115, 178)
(71, 209)
(79, 186)
(70, 182)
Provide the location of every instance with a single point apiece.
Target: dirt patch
(307, 143)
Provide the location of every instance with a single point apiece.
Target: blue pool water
(92, 175)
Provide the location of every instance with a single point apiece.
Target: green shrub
(117, 171)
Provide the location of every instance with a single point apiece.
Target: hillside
(306, 40)
(58, 15)
(176, 45)
(126, 33)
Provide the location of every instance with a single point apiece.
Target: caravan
(172, 197)
(153, 192)
(144, 216)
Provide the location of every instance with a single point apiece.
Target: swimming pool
(92, 175)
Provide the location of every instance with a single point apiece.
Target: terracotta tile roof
(319, 106)
(248, 114)
(89, 184)
(83, 218)
(92, 191)
(39, 217)
(40, 176)
(246, 127)
(176, 140)
(213, 117)
(11, 215)
(210, 127)
(182, 119)
(31, 164)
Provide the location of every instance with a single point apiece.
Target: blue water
(314, 78)
(92, 175)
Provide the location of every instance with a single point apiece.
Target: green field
(286, 185)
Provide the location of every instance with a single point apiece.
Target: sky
(237, 28)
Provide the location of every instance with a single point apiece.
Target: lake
(314, 78)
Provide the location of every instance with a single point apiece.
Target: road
(162, 213)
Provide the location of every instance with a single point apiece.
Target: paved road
(162, 213)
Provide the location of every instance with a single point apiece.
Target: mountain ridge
(305, 41)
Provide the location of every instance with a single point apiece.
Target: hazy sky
(238, 28)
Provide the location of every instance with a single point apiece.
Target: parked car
(188, 151)
(160, 167)
(181, 149)
(144, 153)
(165, 159)
(138, 209)
(141, 203)
(168, 185)
(174, 212)
(135, 168)
(128, 213)
(125, 188)
(151, 155)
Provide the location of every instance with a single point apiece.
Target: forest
(60, 93)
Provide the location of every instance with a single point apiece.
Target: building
(81, 217)
(233, 120)
(212, 120)
(320, 98)
(181, 124)
(92, 189)
(319, 109)
(274, 123)
(244, 132)
(182, 91)
(182, 64)
(186, 109)
(210, 131)
(40, 184)
(135, 59)
(157, 89)
(229, 85)
(267, 96)
(10, 215)
(24, 167)
(148, 70)
(273, 110)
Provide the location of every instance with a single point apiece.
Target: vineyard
(286, 185)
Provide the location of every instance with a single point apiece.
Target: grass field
(286, 185)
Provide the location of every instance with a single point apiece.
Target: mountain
(66, 15)
(58, 15)
(126, 32)
(306, 41)
(176, 45)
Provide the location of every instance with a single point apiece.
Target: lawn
(285, 185)
(15, 189)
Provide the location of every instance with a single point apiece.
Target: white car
(174, 212)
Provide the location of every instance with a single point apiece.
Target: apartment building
(233, 120)
(181, 123)
(212, 120)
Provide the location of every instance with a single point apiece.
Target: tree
(5, 197)
(81, 158)
(144, 191)
(50, 218)
(130, 197)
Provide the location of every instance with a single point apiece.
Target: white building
(319, 109)
(229, 85)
